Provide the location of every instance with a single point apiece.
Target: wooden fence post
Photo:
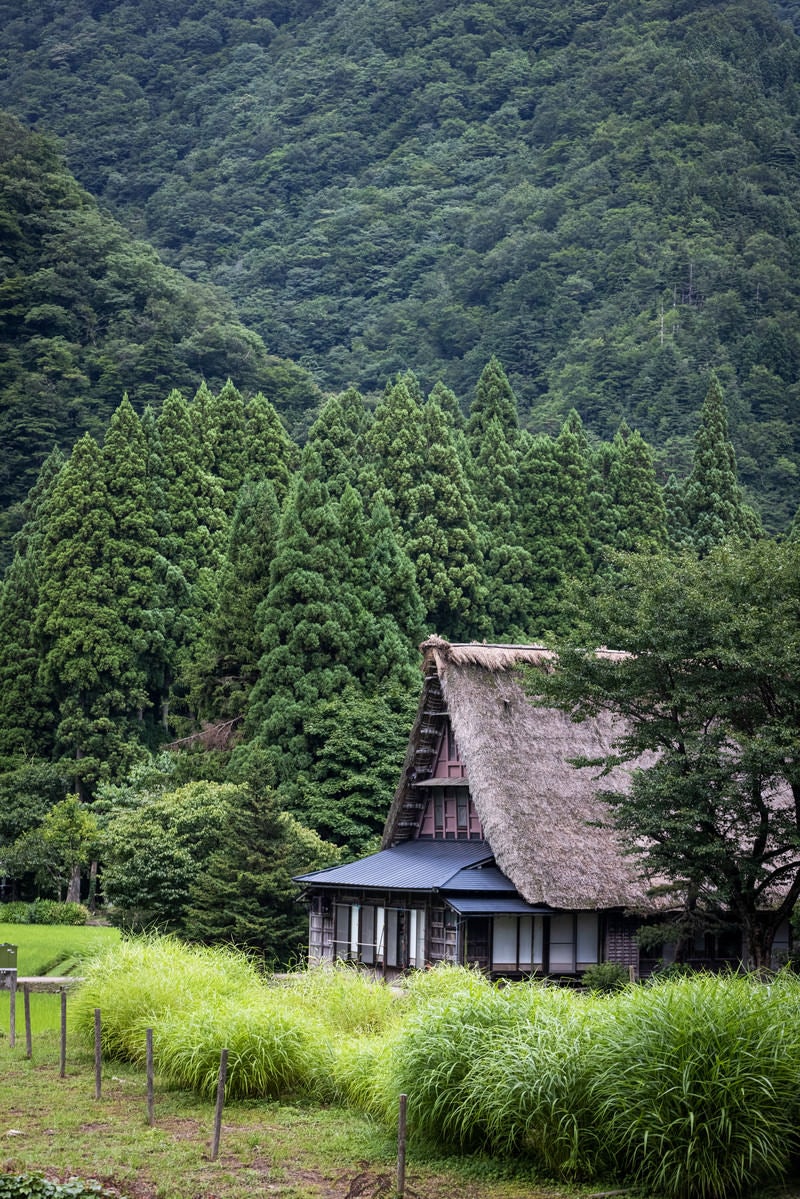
(98, 1054)
(223, 1074)
(12, 1010)
(401, 1148)
(26, 1000)
(63, 1063)
(151, 1117)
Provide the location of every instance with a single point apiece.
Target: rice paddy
(46, 949)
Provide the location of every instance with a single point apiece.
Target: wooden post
(12, 1011)
(401, 1149)
(63, 1070)
(98, 1054)
(151, 1117)
(26, 999)
(223, 1074)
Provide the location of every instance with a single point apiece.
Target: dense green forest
(327, 327)
(194, 582)
(604, 193)
(88, 313)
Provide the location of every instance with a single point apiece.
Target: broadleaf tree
(710, 689)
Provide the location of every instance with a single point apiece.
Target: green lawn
(55, 949)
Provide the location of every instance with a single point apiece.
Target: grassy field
(57, 1127)
(44, 949)
(688, 1089)
(55, 948)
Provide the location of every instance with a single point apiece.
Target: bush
(695, 1084)
(43, 911)
(272, 1048)
(606, 977)
(141, 979)
(18, 912)
(49, 911)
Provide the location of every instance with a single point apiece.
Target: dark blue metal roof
(486, 905)
(411, 866)
(480, 878)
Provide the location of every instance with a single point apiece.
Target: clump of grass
(444, 981)
(346, 999)
(359, 1068)
(141, 980)
(695, 1082)
(433, 1053)
(272, 1049)
(528, 1089)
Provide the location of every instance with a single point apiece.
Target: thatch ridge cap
(500, 655)
(492, 656)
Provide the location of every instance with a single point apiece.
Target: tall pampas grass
(696, 1084)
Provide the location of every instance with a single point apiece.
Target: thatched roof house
(548, 829)
(496, 850)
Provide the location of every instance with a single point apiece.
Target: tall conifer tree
(309, 624)
(508, 565)
(494, 400)
(397, 449)
(714, 505)
(90, 653)
(442, 537)
(555, 479)
(271, 453)
(225, 426)
(193, 531)
(337, 435)
(26, 715)
(225, 666)
(131, 551)
(636, 500)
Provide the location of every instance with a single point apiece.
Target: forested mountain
(604, 193)
(88, 313)
(194, 581)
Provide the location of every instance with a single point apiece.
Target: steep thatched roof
(544, 819)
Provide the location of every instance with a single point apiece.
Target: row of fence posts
(150, 1073)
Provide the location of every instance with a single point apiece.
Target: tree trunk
(91, 902)
(759, 936)
(74, 888)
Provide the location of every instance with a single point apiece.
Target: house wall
(393, 932)
(620, 940)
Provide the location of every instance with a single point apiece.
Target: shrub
(142, 979)
(606, 977)
(272, 1049)
(17, 912)
(43, 911)
(695, 1082)
(49, 911)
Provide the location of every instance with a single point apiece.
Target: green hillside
(604, 193)
(88, 313)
